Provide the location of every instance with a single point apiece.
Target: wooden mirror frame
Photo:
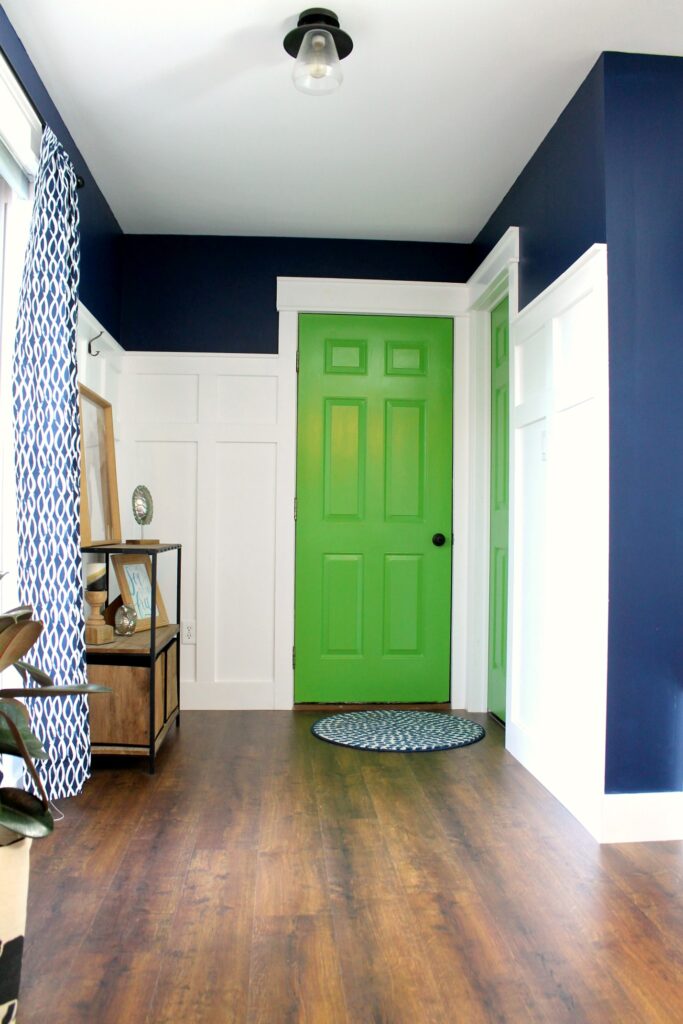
(111, 513)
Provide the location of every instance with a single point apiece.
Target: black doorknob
(438, 540)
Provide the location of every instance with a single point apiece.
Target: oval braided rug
(401, 731)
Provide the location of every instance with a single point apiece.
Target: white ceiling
(188, 118)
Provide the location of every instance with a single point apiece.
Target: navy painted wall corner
(100, 288)
(558, 201)
(644, 174)
(217, 294)
(611, 169)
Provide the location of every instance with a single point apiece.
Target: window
(20, 133)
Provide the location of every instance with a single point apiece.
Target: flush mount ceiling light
(318, 44)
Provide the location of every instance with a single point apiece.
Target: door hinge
(295, 508)
(293, 657)
(297, 360)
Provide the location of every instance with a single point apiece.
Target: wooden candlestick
(96, 629)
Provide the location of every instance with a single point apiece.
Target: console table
(142, 671)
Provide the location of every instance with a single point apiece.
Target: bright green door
(374, 485)
(498, 574)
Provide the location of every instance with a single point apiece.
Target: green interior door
(374, 485)
(498, 574)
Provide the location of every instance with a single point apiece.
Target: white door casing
(389, 298)
(495, 278)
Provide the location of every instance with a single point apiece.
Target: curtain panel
(47, 465)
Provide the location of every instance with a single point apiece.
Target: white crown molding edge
(153, 353)
(497, 275)
(392, 298)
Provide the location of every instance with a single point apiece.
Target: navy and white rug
(401, 731)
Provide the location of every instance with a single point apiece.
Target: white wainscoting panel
(557, 676)
(245, 557)
(205, 433)
(247, 399)
(160, 465)
(164, 397)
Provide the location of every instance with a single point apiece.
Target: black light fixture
(318, 44)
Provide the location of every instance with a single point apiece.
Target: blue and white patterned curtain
(47, 463)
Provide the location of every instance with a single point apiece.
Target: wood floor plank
(386, 974)
(473, 965)
(340, 788)
(205, 970)
(295, 972)
(418, 845)
(358, 865)
(263, 876)
(290, 882)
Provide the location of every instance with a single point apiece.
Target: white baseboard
(642, 817)
(227, 696)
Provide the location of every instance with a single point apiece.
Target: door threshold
(426, 705)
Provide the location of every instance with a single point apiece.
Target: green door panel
(374, 483)
(498, 573)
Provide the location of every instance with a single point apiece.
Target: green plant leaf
(15, 615)
(16, 640)
(23, 813)
(8, 744)
(36, 674)
(54, 691)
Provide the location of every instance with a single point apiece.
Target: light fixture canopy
(318, 44)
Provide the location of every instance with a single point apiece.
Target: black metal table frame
(142, 660)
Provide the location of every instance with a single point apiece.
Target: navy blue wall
(217, 294)
(100, 287)
(644, 175)
(558, 201)
(611, 169)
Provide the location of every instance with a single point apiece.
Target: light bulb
(318, 46)
(317, 68)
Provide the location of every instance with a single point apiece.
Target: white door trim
(491, 282)
(398, 298)
(384, 298)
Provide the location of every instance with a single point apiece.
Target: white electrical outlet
(187, 632)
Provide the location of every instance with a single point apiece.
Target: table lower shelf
(134, 717)
(136, 750)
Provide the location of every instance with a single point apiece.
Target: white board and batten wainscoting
(214, 438)
(559, 537)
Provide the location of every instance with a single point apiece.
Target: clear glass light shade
(317, 69)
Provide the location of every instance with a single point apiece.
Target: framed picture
(134, 575)
(100, 520)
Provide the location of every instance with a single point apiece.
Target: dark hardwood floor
(264, 876)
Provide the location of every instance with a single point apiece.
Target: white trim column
(492, 281)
